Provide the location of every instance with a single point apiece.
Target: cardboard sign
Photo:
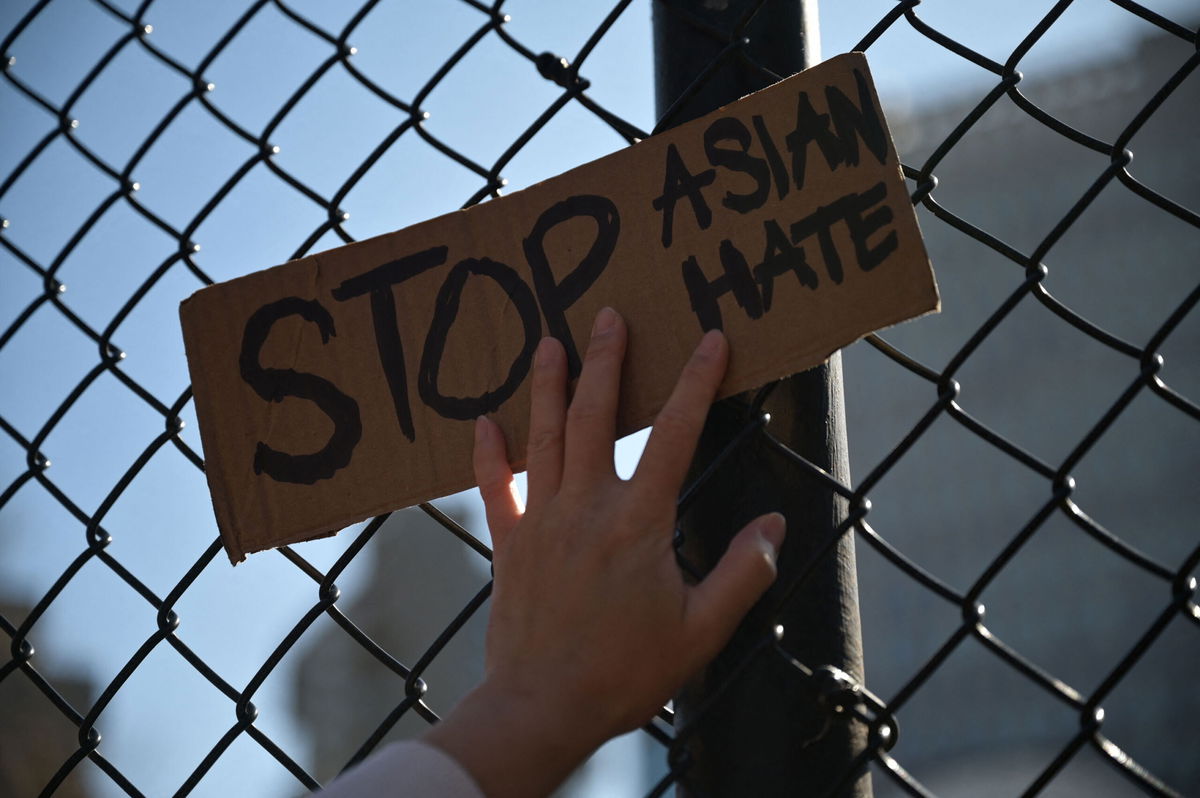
(345, 384)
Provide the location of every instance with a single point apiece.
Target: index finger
(677, 427)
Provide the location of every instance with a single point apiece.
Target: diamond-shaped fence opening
(1023, 466)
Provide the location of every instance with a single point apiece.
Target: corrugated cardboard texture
(344, 384)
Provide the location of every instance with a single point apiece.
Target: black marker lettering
(556, 296)
(274, 385)
(736, 278)
(850, 209)
(853, 121)
(737, 159)
(811, 127)
(678, 182)
(821, 222)
(778, 170)
(378, 283)
(780, 257)
(446, 311)
(861, 227)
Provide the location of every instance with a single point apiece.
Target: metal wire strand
(1027, 290)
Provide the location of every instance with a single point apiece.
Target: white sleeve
(408, 769)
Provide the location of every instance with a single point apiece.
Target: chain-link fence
(1035, 447)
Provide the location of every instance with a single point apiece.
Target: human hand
(592, 626)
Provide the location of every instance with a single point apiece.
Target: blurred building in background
(1066, 602)
(39, 738)
(421, 577)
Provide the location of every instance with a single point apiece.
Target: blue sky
(166, 718)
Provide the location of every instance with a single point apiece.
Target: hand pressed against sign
(592, 626)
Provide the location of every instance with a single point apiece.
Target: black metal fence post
(756, 729)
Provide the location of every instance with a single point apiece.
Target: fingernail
(773, 529)
(481, 425)
(710, 344)
(606, 319)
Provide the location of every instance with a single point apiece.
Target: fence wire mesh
(1140, 397)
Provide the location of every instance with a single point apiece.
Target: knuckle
(701, 358)
(546, 379)
(491, 479)
(602, 348)
(543, 440)
(491, 489)
(698, 369)
(583, 414)
(674, 421)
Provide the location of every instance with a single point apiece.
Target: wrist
(513, 743)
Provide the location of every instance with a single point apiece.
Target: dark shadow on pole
(765, 733)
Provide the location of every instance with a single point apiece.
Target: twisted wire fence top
(117, 429)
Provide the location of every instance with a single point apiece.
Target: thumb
(747, 569)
